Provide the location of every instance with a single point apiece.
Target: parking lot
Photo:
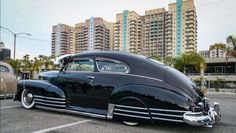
(14, 118)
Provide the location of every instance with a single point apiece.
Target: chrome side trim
(110, 111)
(135, 116)
(167, 110)
(55, 105)
(52, 98)
(170, 115)
(145, 77)
(41, 100)
(165, 119)
(130, 111)
(132, 107)
(72, 111)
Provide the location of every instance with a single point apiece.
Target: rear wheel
(135, 102)
(27, 99)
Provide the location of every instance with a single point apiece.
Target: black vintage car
(121, 86)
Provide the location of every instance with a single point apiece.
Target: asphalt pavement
(14, 118)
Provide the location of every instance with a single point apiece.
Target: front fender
(38, 87)
(153, 97)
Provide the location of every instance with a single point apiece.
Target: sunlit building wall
(127, 32)
(95, 34)
(61, 40)
(184, 27)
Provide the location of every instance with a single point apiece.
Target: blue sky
(216, 19)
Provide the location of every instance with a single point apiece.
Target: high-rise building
(157, 29)
(95, 34)
(184, 27)
(61, 40)
(127, 32)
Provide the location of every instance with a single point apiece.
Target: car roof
(111, 54)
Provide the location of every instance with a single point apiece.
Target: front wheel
(27, 99)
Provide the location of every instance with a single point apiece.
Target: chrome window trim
(79, 59)
(111, 60)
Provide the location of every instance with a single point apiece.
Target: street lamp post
(15, 35)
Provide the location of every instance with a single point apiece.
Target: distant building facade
(127, 32)
(205, 53)
(159, 32)
(5, 53)
(61, 40)
(184, 27)
(217, 51)
(95, 34)
(157, 38)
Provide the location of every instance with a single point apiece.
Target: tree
(231, 47)
(15, 64)
(216, 83)
(193, 58)
(169, 61)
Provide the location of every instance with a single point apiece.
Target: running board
(73, 112)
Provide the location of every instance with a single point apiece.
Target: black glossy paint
(152, 84)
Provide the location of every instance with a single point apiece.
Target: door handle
(90, 77)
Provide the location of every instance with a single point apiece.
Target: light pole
(15, 35)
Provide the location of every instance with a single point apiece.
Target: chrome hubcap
(28, 98)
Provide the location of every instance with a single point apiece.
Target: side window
(4, 69)
(110, 65)
(84, 65)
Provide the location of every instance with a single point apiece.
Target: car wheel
(130, 101)
(27, 99)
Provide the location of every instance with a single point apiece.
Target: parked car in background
(120, 86)
(8, 81)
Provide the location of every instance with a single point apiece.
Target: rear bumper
(203, 119)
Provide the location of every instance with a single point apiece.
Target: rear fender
(153, 97)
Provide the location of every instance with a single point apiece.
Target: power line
(30, 38)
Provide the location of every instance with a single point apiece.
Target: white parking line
(8, 107)
(61, 126)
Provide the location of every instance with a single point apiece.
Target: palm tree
(15, 64)
(193, 58)
(231, 47)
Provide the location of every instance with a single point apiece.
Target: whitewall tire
(27, 99)
(130, 123)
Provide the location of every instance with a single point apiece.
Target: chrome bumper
(199, 119)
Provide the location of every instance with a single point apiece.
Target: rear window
(3, 69)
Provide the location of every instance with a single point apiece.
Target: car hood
(49, 74)
(181, 81)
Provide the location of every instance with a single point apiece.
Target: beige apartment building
(95, 34)
(127, 32)
(157, 29)
(184, 27)
(61, 40)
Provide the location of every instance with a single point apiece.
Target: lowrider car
(120, 86)
(8, 81)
